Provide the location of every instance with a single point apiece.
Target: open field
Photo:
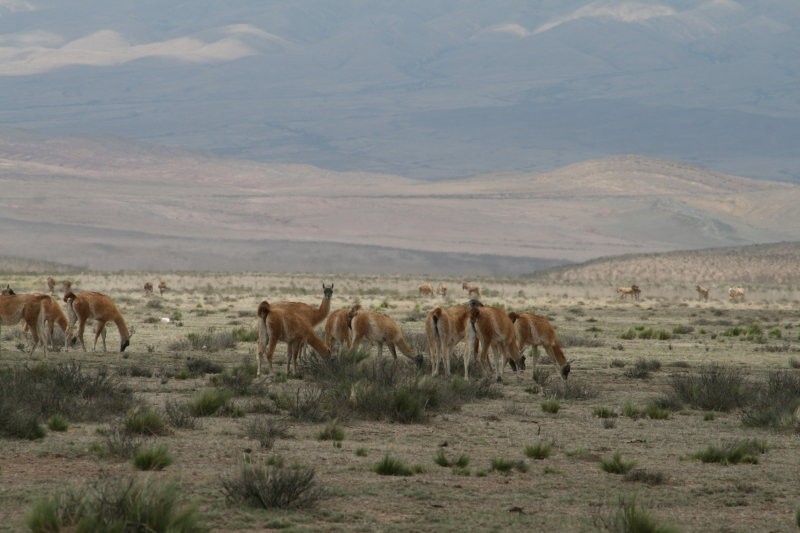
(627, 355)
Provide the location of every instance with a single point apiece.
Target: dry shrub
(273, 487)
(712, 388)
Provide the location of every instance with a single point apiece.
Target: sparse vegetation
(152, 458)
(273, 487)
(616, 465)
(540, 450)
(743, 451)
(389, 466)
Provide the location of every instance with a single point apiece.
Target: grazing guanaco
(148, 289)
(472, 290)
(99, 307)
(702, 292)
(536, 330)
(426, 289)
(442, 289)
(314, 315)
(736, 294)
(633, 291)
(28, 307)
(281, 325)
(378, 328)
(445, 327)
(51, 285)
(162, 286)
(54, 316)
(337, 328)
(493, 329)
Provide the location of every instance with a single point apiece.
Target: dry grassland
(568, 490)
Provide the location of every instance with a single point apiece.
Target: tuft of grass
(57, 423)
(541, 450)
(708, 416)
(604, 412)
(774, 403)
(743, 451)
(616, 465)
(541, 374)
(145, 421)
(152, 458)
(273, 487)
(642, 368)
(119, 443)
(655, 412)
(550, 405)
(609, 423)
(361, 452)
(617, 363)
(712, 388)
(209, 402)
(506, 465)
(572, 389)
(116, 505)
(442, 460)
(389, 466)
(265, 430)
(331, 431)
(682, 330)
(200, 366)
(179, 414)
(630, 517)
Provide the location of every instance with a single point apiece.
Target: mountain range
(418, 89)
(112, 204)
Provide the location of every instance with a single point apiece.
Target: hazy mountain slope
(422, 89)
(98, 204)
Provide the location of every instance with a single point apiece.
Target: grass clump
(389, 466)
(30, 394)
(265, 430)
(200, 366)
(616, 465)
(442, 460)
(775, 403)
(179, 414)
(640, 475)
(209, 402)
(118, 505)
(152, 458)
(273, 487)
(506, 465)
(743, 451)
(713, 388)
(145, 421)
(57, 423)
(331, 431)
(604, 412)
(642, 368)
(551, 406)
(630, 517)
(539, 451)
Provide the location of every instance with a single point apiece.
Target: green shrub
(331, 431)
(642, 368)
(708, 416)
(628, 335)
(265, 430)
(630, 517)
(655, 412)
(442, 460)
(713, 388)
(200, 366)
(541, 374)
(682, 330)
(179, 414)
(505, 465)
(145, 421)
(550, 406)
(119, 443)
(774, 403)
(389, 466)
(152, 458)
(209, 402)
(273, 487)
(616, 465)
(604, 412)
(540, 450)
(32, 393)
(116, 505)
(743, 451)
(361, 452)
(57, 423)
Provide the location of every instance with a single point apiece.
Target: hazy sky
(426, 89)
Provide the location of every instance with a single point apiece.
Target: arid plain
(624, 396)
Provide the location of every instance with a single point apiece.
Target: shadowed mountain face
(110, 204)
(416, 88)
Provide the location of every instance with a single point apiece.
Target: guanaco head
(124, 343)
(8, 291)
(513, 316)
(565, 370)
(69, 297)
(475, 303)
(327, 291)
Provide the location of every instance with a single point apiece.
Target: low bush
(642, 368)
(616, 465)
(389, 466)
(273, 487)
(639, 475)
(145, 421)
(57, 423)
(331, 431)
(506, 465)
(179, 414)
(209, 402)
(604, 412)
(265, 430)
(743, 451)
(713, 388)
(155, 457)
(774, 403)
(550, 406)
(200, 366)
(116, 505)
(540, 450)
(630, 517)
